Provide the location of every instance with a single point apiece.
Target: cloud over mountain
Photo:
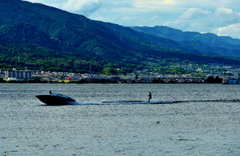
(78, 6)
(194, 13)
(187, 15)
(81, 6)
(220, 20)
(232, 30)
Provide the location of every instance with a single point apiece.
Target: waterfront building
(19, 74)
(27, 75)
(10, 73)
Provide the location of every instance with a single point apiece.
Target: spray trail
(147, 103)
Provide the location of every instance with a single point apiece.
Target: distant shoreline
(106, 83)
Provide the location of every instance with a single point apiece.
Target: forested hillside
(42, 37)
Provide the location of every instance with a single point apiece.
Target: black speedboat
(55, 99)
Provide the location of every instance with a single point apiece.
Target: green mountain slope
(21, 55)
(25, 33)
(72, 32)
(45, 37)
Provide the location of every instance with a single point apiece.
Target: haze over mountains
(208, 41)
(40, 33)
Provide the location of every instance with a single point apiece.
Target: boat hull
(54, 100)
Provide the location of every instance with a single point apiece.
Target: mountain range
(40, 36)
(205, 43)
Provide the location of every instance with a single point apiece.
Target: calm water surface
(206, 122)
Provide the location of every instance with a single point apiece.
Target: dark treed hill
(26, 33)
(69, 32)
(21, 55)
(32, 33)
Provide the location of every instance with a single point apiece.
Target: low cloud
(194, 19)
(154, 4)
(154, 18)
(231, 30)
(223, 11)
(77, 6)
(81, 6)
(47, 2)
(194, 13)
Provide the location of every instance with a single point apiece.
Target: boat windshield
(61, 95)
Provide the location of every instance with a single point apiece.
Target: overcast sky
(221, 17)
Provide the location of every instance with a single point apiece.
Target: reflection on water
(186, 119)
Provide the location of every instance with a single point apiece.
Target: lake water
(204, 121)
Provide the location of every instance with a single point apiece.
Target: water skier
(150, 96)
